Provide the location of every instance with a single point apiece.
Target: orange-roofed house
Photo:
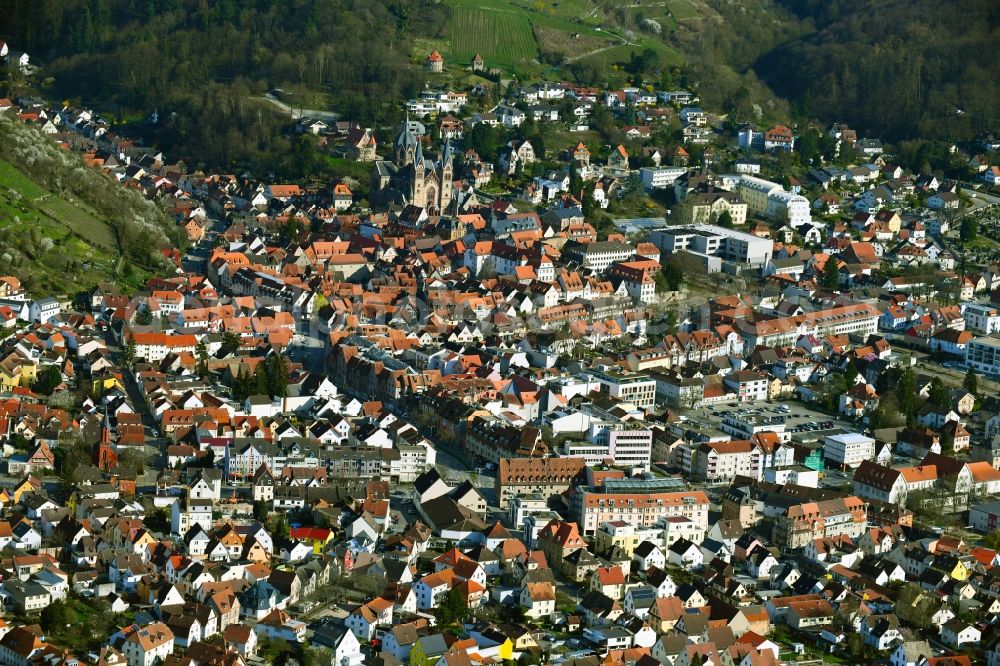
(538, 600)
(449, 559)
(434, 62)
(618, 159)
(779, 137)
(809, 613)
(283, 192)
(609, 581)
(473, 594)
(985, 477)
(364, 619)
(342, 197)
(430, 589)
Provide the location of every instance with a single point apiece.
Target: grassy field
(512, 34)
(683, 10)
(619, 55)
(73, 214)
(58, 243)
(569, 45)
(501, 34)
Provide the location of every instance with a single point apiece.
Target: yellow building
(15, 370)
(102, 385)
(959, 571)
(616, 534)
(427, 650)
(26, 486)
(317, 537)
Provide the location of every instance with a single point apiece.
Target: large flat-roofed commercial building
(983, 355)
(715, 241)
(657, 178)
(621, 444)
(597, 256)
(640, 390)
(848, 449)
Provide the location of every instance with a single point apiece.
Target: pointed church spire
(419, 156)
(447, 154)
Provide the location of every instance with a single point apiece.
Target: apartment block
(637, 502)
(638, 389)
(982, 319)
(983, 355)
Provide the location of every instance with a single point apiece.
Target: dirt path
(297, 113)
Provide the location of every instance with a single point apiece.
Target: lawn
(683, 10)
(11, 178)
(501, 35)
(983, 242)
(620, 55)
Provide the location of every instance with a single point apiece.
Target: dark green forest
(898, 69)
(198, 62)
(895, 68)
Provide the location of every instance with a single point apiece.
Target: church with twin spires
(411, 178)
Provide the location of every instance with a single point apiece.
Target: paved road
(295, 113)
(194, 261)
(308, 348)
(988, 198)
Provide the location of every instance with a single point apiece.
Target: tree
(807, 146)
(132, 459)
(680, 266)
(55, 616)
(47, 380)
(992, 540)
(261, 510)
(241, 385)
(939, 395)
(831, 275)
(834, 385)
(452, 608)
(673, 276)
(851, 373)
(201, 352)
(484, 140)
(969, 229)
(128, 354)
(230, 343)
(906, 393)
(887, 414)
(971, 382)
(277, 376)
(726, 219)
(662, 284)
(672, 321)
(72, 455)
(273, 650)
(258, 382)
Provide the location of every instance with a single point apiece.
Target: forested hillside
(198, 61)
(895, 68)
